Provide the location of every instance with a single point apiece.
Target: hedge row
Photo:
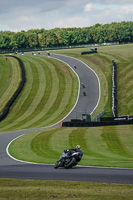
(17, 92)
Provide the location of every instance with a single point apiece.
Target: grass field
(48, 97)
(38, 190)
(50, 92)
(10, 77)
(101, 63)
(102, 146)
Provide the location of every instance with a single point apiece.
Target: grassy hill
(101, 63)
(49, 94)
(102, 146)
(10, 77)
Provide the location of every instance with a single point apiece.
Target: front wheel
(57, 165)
(71, 163)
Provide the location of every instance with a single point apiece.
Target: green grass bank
(50, 93)
(38, 190)
(102, 146)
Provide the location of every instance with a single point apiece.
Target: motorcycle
(68, 161)
(83, 86)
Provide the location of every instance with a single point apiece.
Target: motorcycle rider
(77, 149)
(83, 86)
(64, 154)
(67, 153)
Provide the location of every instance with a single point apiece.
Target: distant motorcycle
(68, 161)
(83, 86)
(84, 93)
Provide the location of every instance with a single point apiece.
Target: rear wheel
(71, 163)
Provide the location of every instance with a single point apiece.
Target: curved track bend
(10, 168)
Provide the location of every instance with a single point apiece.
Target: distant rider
(83, 86)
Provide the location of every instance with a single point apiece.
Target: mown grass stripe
(96, 146)
(5, 71)
(60, 140)
(68, 101)
(99, 147)
(49, 103)
(38, 91)
(125, 134)
(102, 146)
(15, 80)
(86, 138)
(64, 94)
(17, 110)
(125, 93)
(64, 81)
(40, 146)
(114, 143)
(30, 98)
(50, 95)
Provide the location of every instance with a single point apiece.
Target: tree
(5, 40)
(121, 32)
(32, 39)
(21, 40)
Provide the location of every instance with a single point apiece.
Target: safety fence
(8, 50)
(105, 121)
(114, 122)
(114, 89)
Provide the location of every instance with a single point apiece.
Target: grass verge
(49, 94)
(102, 146)
(10, 78)
(38, 190)
(101, 63)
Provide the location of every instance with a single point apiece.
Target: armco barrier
(17, 92)
(94, 124)
(114, 89)
(94, 50)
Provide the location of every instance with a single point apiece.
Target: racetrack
(10, 168)
(87, 174)
(88, 103)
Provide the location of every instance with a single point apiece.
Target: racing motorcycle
(68, 161)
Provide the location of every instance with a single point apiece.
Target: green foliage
(114, 32)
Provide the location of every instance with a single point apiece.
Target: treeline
(114, 32)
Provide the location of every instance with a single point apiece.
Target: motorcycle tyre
(70, 164)
(57, 165)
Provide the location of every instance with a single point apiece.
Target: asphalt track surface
(10, 168)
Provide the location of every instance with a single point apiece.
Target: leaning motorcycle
(68, 161)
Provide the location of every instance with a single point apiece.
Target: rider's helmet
(66, 150)
(78, 146)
